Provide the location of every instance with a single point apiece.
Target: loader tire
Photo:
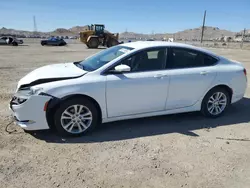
(93, 43)
(112, 42)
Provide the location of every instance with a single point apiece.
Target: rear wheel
(76, 117)
(15, 44)
(215, 102)
(93, 43)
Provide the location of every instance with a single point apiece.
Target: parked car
(53, 42)
(10, 41)
(73, 37)
(131, 80)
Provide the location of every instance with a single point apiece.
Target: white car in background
(131, 80)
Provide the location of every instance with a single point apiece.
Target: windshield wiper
(79, 65)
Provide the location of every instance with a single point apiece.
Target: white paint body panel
(187, 86)
(61, 70)
(133, 95)
(32, 110)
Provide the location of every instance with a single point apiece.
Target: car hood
(51, 73)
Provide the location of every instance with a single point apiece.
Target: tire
(42, 44)
(14, 44)
(76, 123)
(93, 43)
(112, 42)
(215, 109)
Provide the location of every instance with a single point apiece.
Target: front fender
(95, 90)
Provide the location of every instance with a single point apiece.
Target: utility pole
(243, 37)
(202, 30)
(35, 27)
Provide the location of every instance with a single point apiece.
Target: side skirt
(196, 107)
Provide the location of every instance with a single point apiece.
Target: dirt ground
(184, 150)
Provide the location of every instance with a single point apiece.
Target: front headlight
(23, 95)
(17, 100)
(35, 91)
(29, 91)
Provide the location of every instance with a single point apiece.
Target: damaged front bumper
(30, 114)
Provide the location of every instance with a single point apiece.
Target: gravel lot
(184, 150)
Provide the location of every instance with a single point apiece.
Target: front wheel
(93, 43)
(215, 102)
(76, 117)
(112, 42)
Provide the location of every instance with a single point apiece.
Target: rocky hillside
(62, 32)
(188, 34)
(209, 33)
(5, 31)
(74, 31)
(78, 29)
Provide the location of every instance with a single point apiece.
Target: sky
(143, 16)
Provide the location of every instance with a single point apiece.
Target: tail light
(245, 72)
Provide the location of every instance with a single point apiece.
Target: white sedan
(132, 80)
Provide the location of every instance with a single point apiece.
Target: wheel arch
(224, 86)
(54, 104)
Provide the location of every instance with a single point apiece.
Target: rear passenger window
(185, 58)
(208, 60)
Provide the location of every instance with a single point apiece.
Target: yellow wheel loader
(95, 36)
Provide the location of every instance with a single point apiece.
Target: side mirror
(121, 69)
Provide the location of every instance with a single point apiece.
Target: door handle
(204, 73)
(160, 76)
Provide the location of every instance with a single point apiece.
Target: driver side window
(147, 60)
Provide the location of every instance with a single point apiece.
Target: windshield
(52, 38)
(102, 58)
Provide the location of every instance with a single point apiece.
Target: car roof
(147, 44)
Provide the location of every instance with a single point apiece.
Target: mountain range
(188, 34)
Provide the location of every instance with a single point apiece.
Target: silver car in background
(10, 41)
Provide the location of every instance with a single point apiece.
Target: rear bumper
(30, 115)
(236, 98)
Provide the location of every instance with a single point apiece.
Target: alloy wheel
(217, 103)
(76, 119)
